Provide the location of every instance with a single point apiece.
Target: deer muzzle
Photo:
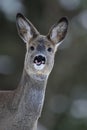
(39, 62)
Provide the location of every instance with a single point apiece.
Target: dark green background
(65, 105)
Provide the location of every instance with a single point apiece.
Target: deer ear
(58, 31)
(25, 28)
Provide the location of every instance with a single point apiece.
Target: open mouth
(39, 62)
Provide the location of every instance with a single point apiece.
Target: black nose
(38, 60)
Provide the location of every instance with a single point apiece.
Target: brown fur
(20, 109)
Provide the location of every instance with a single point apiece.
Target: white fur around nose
(40, 67)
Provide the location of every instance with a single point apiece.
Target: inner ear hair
(25, 28)
(58, 31)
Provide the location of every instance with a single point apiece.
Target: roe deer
(20, 109)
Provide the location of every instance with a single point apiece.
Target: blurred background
(65, 106)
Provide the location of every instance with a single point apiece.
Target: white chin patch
(39, 67)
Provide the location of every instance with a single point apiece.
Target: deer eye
(49, 49)
(32, 48)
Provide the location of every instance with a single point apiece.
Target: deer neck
(29, 98)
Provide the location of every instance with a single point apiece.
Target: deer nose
(39, 59)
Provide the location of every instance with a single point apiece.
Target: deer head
(39, 59)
